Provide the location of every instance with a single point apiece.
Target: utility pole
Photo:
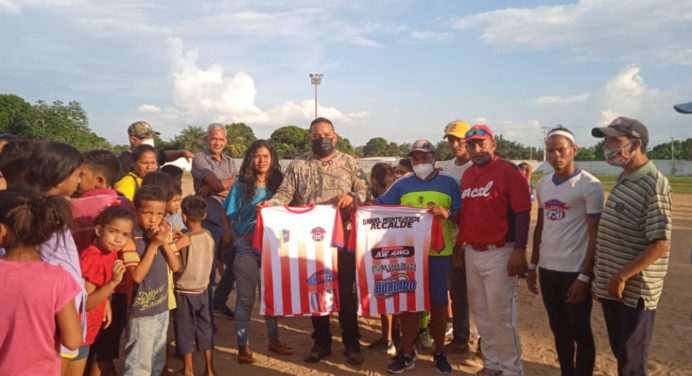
(545, 136)
(672, 149)
(316, 79)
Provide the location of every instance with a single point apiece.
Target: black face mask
(322, 146)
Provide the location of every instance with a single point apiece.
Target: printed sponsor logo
(392, 252)
(322, 301)
(321, 277)
(477, 192)
(399, 283)
(391, 268)
(555, 210)
(318, 234)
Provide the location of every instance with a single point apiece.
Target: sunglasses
(476, 132)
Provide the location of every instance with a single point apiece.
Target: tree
(289, 141)
(65, 123)
(376, 147)
(191, 138)
(16, 116)
(343, 145)
(442, 151)
(591, 153)
(240, 136)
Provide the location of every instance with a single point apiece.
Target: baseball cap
(422, 145)
(684, 108)
(479, 132)
(623, 126)
(457, 129)
(140, 129)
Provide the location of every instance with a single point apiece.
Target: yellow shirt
(128, 184)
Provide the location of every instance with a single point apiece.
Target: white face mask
(148, 141)
(424, 170)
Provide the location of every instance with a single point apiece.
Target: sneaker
(355, 358)
(380, 345)
(441, 363)
(488, 372)
(393, 358)
(225, 312)
(449, 331)
(316, 354)
(426, 341)
(401, 363)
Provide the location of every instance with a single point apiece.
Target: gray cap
(422, 145)
(623, 126)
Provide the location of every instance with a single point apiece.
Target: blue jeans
(226, 254)
(246, 268)
(145, 345)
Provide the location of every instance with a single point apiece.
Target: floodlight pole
(316, 79)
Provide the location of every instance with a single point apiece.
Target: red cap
(479, 132)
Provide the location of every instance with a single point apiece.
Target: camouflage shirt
(310, 181)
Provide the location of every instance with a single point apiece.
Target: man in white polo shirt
(570, 202)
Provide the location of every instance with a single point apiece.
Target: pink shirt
(32, 294)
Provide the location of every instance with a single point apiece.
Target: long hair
(247, 174)
(50, 164)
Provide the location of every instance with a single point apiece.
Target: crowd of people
(99, 249)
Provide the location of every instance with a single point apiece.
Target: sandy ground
(671, 350)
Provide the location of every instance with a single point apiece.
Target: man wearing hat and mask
(632, 244)
(140, 132)
(493, 232)
(427, 187)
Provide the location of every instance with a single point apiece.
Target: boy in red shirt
(493, 231)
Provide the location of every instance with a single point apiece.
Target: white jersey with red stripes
(299, 248)
(392, 244)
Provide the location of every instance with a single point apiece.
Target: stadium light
(316, 79)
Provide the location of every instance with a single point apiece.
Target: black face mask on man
(322, 146)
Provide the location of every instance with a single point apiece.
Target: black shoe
(441, 363)
(355, 358)
(401, 363)
(225, 311)
(316, 354)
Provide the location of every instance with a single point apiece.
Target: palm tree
(191, 138)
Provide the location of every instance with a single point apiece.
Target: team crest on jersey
(420, 200)
(285, 235)
(318, 234)
(398, 283)
(555, 210)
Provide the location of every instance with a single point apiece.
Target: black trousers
(629, 331)
(570, 323)
(460, 305)
(348, 308)
(192, 326)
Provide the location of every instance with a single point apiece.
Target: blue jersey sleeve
(392, 196)
(456, 196)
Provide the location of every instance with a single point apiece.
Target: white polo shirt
(451, 168)
(565, 207)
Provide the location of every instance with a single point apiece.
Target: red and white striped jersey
(299, 248)
(392, 244)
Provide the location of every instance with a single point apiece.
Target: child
(144, 162)
(37, 297)
(173, 211)
(192, 317)
(55, 170)
(147, 325)
(101, 270)
(176, 173)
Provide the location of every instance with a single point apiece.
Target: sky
(398, 69)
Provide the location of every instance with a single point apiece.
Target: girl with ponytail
(38, 298)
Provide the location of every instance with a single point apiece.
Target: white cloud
(202, 95)
(429, 36)
(652, 31)
(149, 109)
(18, 6)
(550, 99)
(625, 94)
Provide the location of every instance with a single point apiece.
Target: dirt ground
(671, 350)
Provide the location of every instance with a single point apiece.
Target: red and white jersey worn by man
(299, 248)
(392, 244)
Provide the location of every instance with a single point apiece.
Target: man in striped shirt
(632, 244)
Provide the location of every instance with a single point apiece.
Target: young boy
(173, 211)
(99, 173)
(193, 325)
(145, 346)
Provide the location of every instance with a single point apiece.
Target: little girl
(37, 297)
(101, 269)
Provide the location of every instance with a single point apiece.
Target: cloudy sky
(393, 68)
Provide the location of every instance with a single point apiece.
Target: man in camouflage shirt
(327, 176)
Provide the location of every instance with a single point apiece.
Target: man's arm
(202, 172)
(655, 250)
(535, 253)
(579, 290)
(172, 155)
(284, 195)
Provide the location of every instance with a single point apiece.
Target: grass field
(679, 184)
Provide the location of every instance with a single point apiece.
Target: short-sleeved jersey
(151, 296)
(565, 207)
(392, 244)
(97, 269)
(490, 195)
(451, 168)
(299, 259)
(441, 190)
